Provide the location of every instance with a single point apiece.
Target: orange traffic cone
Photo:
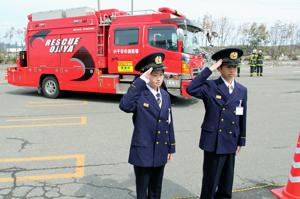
(292, 189)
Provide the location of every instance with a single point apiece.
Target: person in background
(253, 62)
(259, 63)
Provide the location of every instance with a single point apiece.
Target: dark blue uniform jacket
(222, 130)
(153, 134)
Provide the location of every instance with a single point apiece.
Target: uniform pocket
(208, 128)
(138, 142)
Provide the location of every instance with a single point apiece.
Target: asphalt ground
(77, 146)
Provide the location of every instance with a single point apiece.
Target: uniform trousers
(148, 182)
(252, 69)
(259, 70)
(218, 171)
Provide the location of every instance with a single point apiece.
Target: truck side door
(124, 49)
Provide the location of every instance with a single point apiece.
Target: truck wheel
(50, 87)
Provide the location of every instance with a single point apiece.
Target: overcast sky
(14, 12)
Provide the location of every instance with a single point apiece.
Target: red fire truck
(81, 49)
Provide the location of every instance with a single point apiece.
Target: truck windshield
(191, 43)
(163, 37)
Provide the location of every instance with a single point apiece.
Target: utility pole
(131, 7)
(98, 4)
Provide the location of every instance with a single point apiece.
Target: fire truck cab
(82, 49)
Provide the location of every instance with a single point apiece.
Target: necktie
(158, 99)
(230, 87)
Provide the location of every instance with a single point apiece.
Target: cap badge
(158, 60)
(233, 55)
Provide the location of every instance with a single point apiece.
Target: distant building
(12, 50)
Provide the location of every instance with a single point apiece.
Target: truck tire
(50, 87)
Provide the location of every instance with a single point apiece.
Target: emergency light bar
(171, 11)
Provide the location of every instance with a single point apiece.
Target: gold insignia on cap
(158, 60)
(233, 55)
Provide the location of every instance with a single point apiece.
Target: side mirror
(209, 36)
(214, 34)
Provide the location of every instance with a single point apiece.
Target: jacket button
(223, 109)
(220, 130)
(167, 132)
(158, 132)
(159, 121)
(157, 142)
(222, 120)
(166, 143)
(233, 122)
(230, 132)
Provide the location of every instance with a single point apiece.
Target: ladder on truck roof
(105, 21)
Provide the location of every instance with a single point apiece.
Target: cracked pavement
(24, 142)
(104, 142)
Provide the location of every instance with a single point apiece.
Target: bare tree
(244, 30)
(297, 36)
(10, 33)
(257, 35)
(207, 24)
(281, 36)
(223, 27)
(262, 34)
(20, 33)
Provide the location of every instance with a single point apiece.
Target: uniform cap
(230, 56)
(153, 60)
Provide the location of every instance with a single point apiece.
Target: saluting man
(153, 139)
(224, 126)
